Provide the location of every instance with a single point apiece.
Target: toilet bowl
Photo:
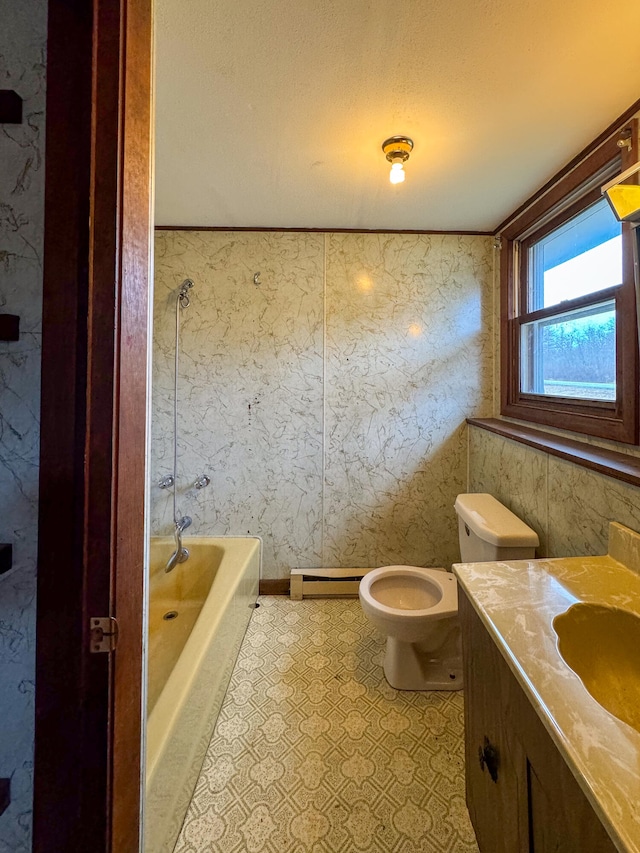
(417, 609)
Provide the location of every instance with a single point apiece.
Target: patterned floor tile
(314, 752)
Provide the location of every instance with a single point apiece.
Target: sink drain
(170, 614)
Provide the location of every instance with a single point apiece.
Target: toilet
(417, 608)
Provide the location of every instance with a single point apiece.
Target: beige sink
(602, 646)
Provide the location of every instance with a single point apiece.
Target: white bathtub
(190, 660)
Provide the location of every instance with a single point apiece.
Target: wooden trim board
(277, 586)
(319, 230)
(611, 130)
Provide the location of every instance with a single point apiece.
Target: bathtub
(198, 614)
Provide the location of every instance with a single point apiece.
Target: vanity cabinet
(521, 795)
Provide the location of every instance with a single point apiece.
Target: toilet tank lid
(492, 522)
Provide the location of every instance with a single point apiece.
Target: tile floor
(313, 751)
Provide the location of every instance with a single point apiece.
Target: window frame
(575, 189)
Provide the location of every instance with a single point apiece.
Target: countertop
(517, 602)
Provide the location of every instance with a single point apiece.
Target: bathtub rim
(162, 719)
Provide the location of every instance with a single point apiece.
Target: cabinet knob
(488, 757)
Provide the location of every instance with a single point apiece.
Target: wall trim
(611, 463)
(277, 586)
(606, 134)
(321, 230)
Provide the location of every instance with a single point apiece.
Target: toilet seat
(437, 581)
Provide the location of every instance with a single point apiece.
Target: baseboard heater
(326, 583)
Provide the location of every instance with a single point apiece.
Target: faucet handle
(202, 481)
(166, 482)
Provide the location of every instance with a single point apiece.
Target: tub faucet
(180, 554)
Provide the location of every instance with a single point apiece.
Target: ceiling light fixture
(623, 195)
(397, 150)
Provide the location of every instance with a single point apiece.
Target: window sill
(611, 463)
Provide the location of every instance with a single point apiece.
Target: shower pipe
(180, 524)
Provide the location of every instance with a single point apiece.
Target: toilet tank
(488, 531)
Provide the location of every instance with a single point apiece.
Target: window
(569, 326)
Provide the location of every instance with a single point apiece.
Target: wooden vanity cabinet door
(498, 809)
(562, 820)
(536, 805)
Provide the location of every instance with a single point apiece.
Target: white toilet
(418, 608)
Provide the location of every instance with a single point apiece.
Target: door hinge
(103, 634)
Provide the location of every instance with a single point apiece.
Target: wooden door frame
(87, 776)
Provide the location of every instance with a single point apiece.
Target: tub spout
(180, 554)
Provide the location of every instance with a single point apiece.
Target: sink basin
(602, 646)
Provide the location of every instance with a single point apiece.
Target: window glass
(580, 257)
(572, 354)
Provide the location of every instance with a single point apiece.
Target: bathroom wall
(570, 507)
(328, 403)
(22, 67)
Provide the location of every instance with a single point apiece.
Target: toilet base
(409, 666)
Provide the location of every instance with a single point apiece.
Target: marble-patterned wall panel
(22, 68)
(250, 388)
(408, 358)
(581, 505)
(514, 474)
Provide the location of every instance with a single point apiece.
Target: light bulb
(396, 175)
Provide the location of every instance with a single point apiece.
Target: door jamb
(87, 775)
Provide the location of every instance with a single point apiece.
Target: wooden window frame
(574, 189)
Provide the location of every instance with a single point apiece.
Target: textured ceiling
(271, 113)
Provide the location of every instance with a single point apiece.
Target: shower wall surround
(250, 389)
(22, 68)
(569, 507)
(328, 403)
